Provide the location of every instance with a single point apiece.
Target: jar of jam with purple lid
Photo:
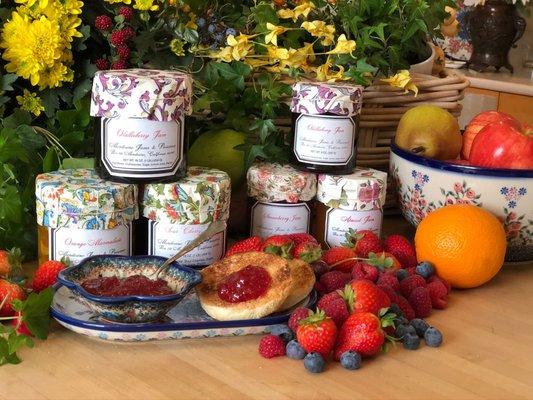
(142, 135)
(279, 199)
(325, 120)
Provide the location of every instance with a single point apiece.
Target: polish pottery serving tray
(186, 320)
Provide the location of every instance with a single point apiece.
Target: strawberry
(9, 260)
(411, 282)
(362, 270)
(401, 248)
(383, 261)
(20, 325)
(420, 301)
(251, 244)
(317, 333)
(9, 292)
(46, 275)
(280, 245)
(363, 242)
(389, 278)
(368, 297)
(335, 255)
(435, 278)
(296, 316)
(406, 308)
(362, 332)
(334, 280)
(308, 252)
(438, 293)
(335, 306)
(299, 238)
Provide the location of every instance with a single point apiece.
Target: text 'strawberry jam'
(279, 199)
(349, 202)
(142, 136)
(325, 120)
(81, 215)
(249, 283)
(135, 285)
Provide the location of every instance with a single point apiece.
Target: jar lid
(322, 98)
(141, 93)
(271, 182)
(364, 189)
(79, 198)
(201, 197)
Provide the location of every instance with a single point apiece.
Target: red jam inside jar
(135, 285)
(246, 284)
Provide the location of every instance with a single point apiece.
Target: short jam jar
(81, 215)
(325, 120)
(142, 134)
(279, 199)
(349, 202)
(175, 213)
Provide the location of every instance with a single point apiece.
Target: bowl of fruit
(124, 289)
(494, 171)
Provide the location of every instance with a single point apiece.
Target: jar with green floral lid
(175, 213)
(279, 199)
(81, 215)
(347, 203)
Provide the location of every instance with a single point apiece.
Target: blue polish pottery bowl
(425, 184)
(129, 309)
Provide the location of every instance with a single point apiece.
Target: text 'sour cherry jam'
(135, 285)
(246, 284)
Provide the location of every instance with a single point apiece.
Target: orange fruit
(465, 243)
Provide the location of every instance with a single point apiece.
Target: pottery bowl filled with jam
(123, 289)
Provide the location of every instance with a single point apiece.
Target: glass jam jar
(349, 202)
(142, 135)
(81, 215)
(175, 213)
(279, 199)
(325, 120)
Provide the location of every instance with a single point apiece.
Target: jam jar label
(165, 240)
(76, 244)
(278, 219)
(339, 221)
(324, 139)
(140, 148)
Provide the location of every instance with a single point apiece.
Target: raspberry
(335, 307)
(129, 32)
(123, 52)
(101, 63)
(438, 279)
(296, 316)
(421, 302)
(120, 64)
(334, 280)
(103, 23)
(406, 308)
(126, 12)
(120, 37)
(271, 346)
(411, 282)
(389, 278)
(393, 296)
(362, 270)
(438, 294)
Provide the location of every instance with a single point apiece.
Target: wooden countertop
(520, 82)
(487, 354)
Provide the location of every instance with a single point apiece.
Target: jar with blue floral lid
(177, 212)
(80, 215)
(142, 135)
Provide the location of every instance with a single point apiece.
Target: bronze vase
(494, 28)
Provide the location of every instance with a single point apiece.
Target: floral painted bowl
(129, 309)
(424, 185)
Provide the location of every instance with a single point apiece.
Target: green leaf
(50, 160)
(234, 72)
(30, 140)
(10, 204)
(19, 117)
(264, 127)
(74, 163)
(36, 312)
(50, 100)
(6, 82)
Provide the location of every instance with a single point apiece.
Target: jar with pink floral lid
(279, 199)
(347, 203)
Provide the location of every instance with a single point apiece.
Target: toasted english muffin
(303, 280)
(269, 302)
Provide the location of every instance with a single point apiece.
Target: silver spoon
(212, 229)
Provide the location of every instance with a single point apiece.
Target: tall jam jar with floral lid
(347, 203)
(142, 135)
(325, 119)
(175, 213)
(279, 199)
(81, 215)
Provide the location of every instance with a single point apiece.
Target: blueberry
(314, 362)
(231, 31)
(402, 330)
(433, 337)
(401, 321)
(211, 28)
(294, 350)
(351, 360)
(200, 22)
(283, 331)
(411, 341)
(425, 269)
(420, 326)
(395, 309)
(219, 37)
(401, 274)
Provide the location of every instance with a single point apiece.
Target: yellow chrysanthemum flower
(31, 3)
(30, 102)
(303, 9)
(272, 36)
(118, 1)
(145, 5)
(319, 29)
(402, 80)
(343, 46)
(176, 46)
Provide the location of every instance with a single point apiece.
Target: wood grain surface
(487, 354)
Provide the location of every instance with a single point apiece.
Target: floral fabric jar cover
(84, 215)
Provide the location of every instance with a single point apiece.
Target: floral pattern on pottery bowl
(129, 309)
(424, 185)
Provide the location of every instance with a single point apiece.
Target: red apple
(478, 123)
(503, 145)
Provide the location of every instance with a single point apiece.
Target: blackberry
(411, 341)
(401, 274)
(402, 330)
(433, 337)
(351, 360)
(200, 22)
(284, 332)
(231, 31)
(395, 309)
(425, 269)
(294, 350)
(314, 363)
(420, 326)
(211, 28)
